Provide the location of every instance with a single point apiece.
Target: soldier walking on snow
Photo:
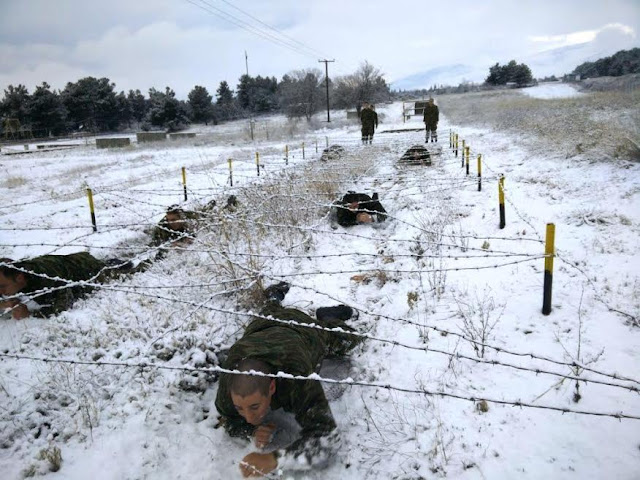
(431, 116)
(369, 120)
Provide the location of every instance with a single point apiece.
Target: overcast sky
(182, 43)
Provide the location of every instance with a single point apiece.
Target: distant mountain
(444, 75)
(557, 61)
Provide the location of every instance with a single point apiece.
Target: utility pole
(246, 63)
(326, 69)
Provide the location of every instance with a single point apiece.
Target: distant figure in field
(416, 155)
(24, 284)
(369, 121)
(357, 208)
(431, 117)
(334, 152)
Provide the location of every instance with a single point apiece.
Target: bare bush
(479, 315)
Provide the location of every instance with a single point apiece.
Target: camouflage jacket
(74, 267)
(294, 350)
(347, 217)
(368, 118)
(162, 233)
(431, 114)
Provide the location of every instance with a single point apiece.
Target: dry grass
(13, 182)
(598, 125)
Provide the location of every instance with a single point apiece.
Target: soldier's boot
(339, 312)
(276, 293)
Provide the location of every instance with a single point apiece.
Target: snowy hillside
(460, 377)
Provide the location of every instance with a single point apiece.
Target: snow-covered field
(551, 90)
(436, 275)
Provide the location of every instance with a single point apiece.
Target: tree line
(93, 105)
(621, 63)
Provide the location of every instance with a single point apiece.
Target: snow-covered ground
(425, 282)
(552, 90)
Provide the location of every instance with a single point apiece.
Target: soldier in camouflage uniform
(50, 272)
(176, 227)
(254, 406)
(369, 120)
(356, 208)
(431, 117)
(179, 226)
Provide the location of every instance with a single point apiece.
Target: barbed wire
(318, 378)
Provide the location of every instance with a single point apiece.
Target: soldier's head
(174, 219)
(12, 281)
(431, 100)
(251, 394)
(364, 217)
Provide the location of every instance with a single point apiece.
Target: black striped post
(479, 173)
(466, 153)
(549, 253)
(184, 182)
(91, 209)
(501, 200)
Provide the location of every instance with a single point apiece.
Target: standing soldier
(431, 116)
(369, 120)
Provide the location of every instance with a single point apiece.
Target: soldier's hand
(20, 311)
(262, 435)
(258, 464)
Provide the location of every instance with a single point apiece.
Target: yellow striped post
(231, 172)
(286, 154)
(466, 153)
(501, 200)
(184, 182)
(303, 150)
(456, 144)
(479, 173)
(464, 148)
(549, 254)
(258, 163)
(450, 139)
(91, 209)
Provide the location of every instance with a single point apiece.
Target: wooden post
(258, 163)
(91, 209)
(501, 200)
(549, 252)
(450, 139)
(479, 173)
(327, 141)
(456, 144)
(184, 182)
(464, 147)
(303, 150)
(286, 154)
(316, 145)
(231, 172)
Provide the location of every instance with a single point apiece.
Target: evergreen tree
(621, 63)
(166, 111)
(91, 104)
(47, 114)
(138, 104)
(226, 105)
(201, 105)
(15, 103)
(125, 112)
